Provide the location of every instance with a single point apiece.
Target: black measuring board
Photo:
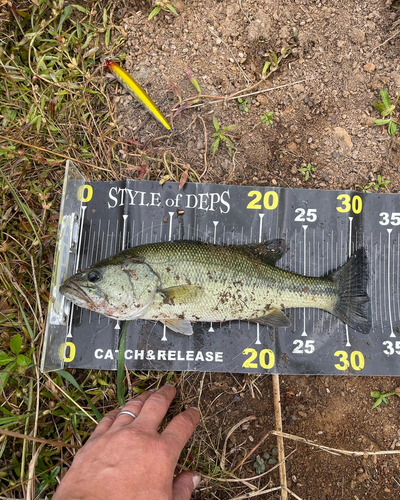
(321, 228)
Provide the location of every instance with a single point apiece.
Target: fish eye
(94, 276)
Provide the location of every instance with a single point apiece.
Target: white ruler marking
(98, 243)
(398, 277)
(133, 233)
(385, 299)
(381, 271)
(171, 214)
(304, 334)
(125, 217)
(261, 216)
(116, 236)
(332, 266)
(260, 228)
(102, 246)
(392, 334)
(107, 238)
(81, 310)
(88, 246)
(215, 222)
(349, 254)
(79, 249)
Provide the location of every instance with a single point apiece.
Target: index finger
(179, 430)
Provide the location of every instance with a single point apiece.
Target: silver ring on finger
(126, 412)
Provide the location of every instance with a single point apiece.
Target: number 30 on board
(356, 362)
(349, 203)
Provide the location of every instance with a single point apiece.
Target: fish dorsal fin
(179, 326)
(180, 294)
(275, 318)
(269, 251)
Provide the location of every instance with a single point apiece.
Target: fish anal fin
(180, 294)
(179, 326)
(269, 251)
(274, 318)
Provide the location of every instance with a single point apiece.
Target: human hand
(126, 458)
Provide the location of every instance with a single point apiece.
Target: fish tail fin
(352, 305)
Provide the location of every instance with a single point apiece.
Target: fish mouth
(76, 294)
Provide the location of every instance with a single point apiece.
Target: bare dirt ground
(339, 55)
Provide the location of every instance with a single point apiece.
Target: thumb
(183, 485)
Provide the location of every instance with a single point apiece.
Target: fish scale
(234, 284)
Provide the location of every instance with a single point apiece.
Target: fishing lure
(136, 90)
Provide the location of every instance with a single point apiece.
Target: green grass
(374, 185)
(221, 136)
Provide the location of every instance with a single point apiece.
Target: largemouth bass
(182, 282)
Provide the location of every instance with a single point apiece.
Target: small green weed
(13, 361)
(162, 5)
(266, 118)
(383, 397)
(259, 464)
(386, 109)
(244, 104)
(309, 169)
(221, 135)
(380, 184)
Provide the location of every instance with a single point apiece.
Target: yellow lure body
(136, 90)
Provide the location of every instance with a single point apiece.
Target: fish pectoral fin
(275, 318)
(179, 326)
(180, 294)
